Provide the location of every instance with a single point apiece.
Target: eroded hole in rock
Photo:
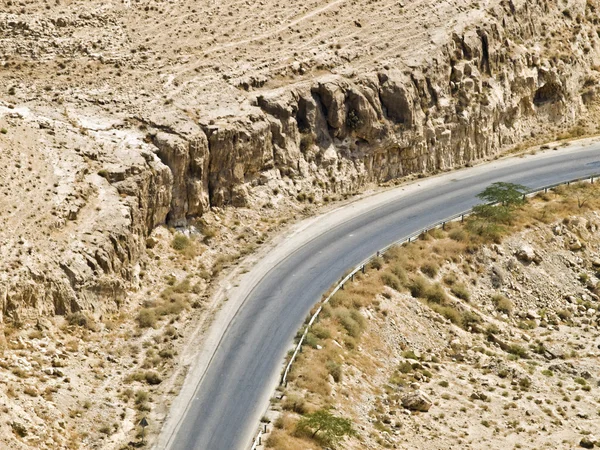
(548, 93)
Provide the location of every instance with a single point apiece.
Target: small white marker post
(143, 424)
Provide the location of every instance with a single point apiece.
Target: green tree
(502, 198)
(325, 427)
(507, 194)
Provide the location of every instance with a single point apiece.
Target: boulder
(417, 401)
(527, 254)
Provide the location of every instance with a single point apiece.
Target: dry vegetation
(86, 379)
(493, 328)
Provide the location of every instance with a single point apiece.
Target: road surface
(229, 397)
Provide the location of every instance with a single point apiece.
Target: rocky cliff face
(510, 71)
(528, 69)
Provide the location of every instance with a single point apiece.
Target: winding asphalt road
(233, 392)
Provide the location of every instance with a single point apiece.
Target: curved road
(233, 392)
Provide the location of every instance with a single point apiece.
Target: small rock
(575, 245)
(479, 396)
(151, 242)
(586, 443)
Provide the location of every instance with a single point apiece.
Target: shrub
(460, 290)
(321, 332)
(180, 242)
(146, 318)
(171, 307)
(377, 263)
(430, 269)
(295, 404)
(141, 397)
(352, 321)
(502, 304)
(405, 367)
(449, 279)
(448, 312)
(335, 370)
(391, 280)
(418, 287)
(82, 320)
(436, 294)
(517, 350)
(311, 340)
(469, 319)
(458, 234)
(400, 273)
(564, 314)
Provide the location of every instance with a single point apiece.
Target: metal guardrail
(363, 264)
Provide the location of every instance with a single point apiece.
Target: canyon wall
(526, 71)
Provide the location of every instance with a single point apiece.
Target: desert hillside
(457, 341)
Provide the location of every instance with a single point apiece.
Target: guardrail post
(265, 428)
(363, 269)
(443, 225)
(378, 253)
(352, 277)
(592, 180)
(523, 197)
(260, 440)
(545, 190)
(462, 218)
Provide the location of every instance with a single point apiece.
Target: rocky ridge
(148, 142)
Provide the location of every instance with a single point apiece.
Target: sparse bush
(564, 314)
(376, 263)
(352, 321)
(430, 269)
(448, 312)
(180, 242)
(82, 320)
(295, 404)
(141, 397)
(335, 370)
(460, 290)
(459, 235)
(400, 273)
(31, 391)
(19, 429)
(321, 332)
(391, 280)
(502, 304)
(418, 287)
(146, 318)
(436, 294)
(405, 367)
(469, 319)
(516, 349)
